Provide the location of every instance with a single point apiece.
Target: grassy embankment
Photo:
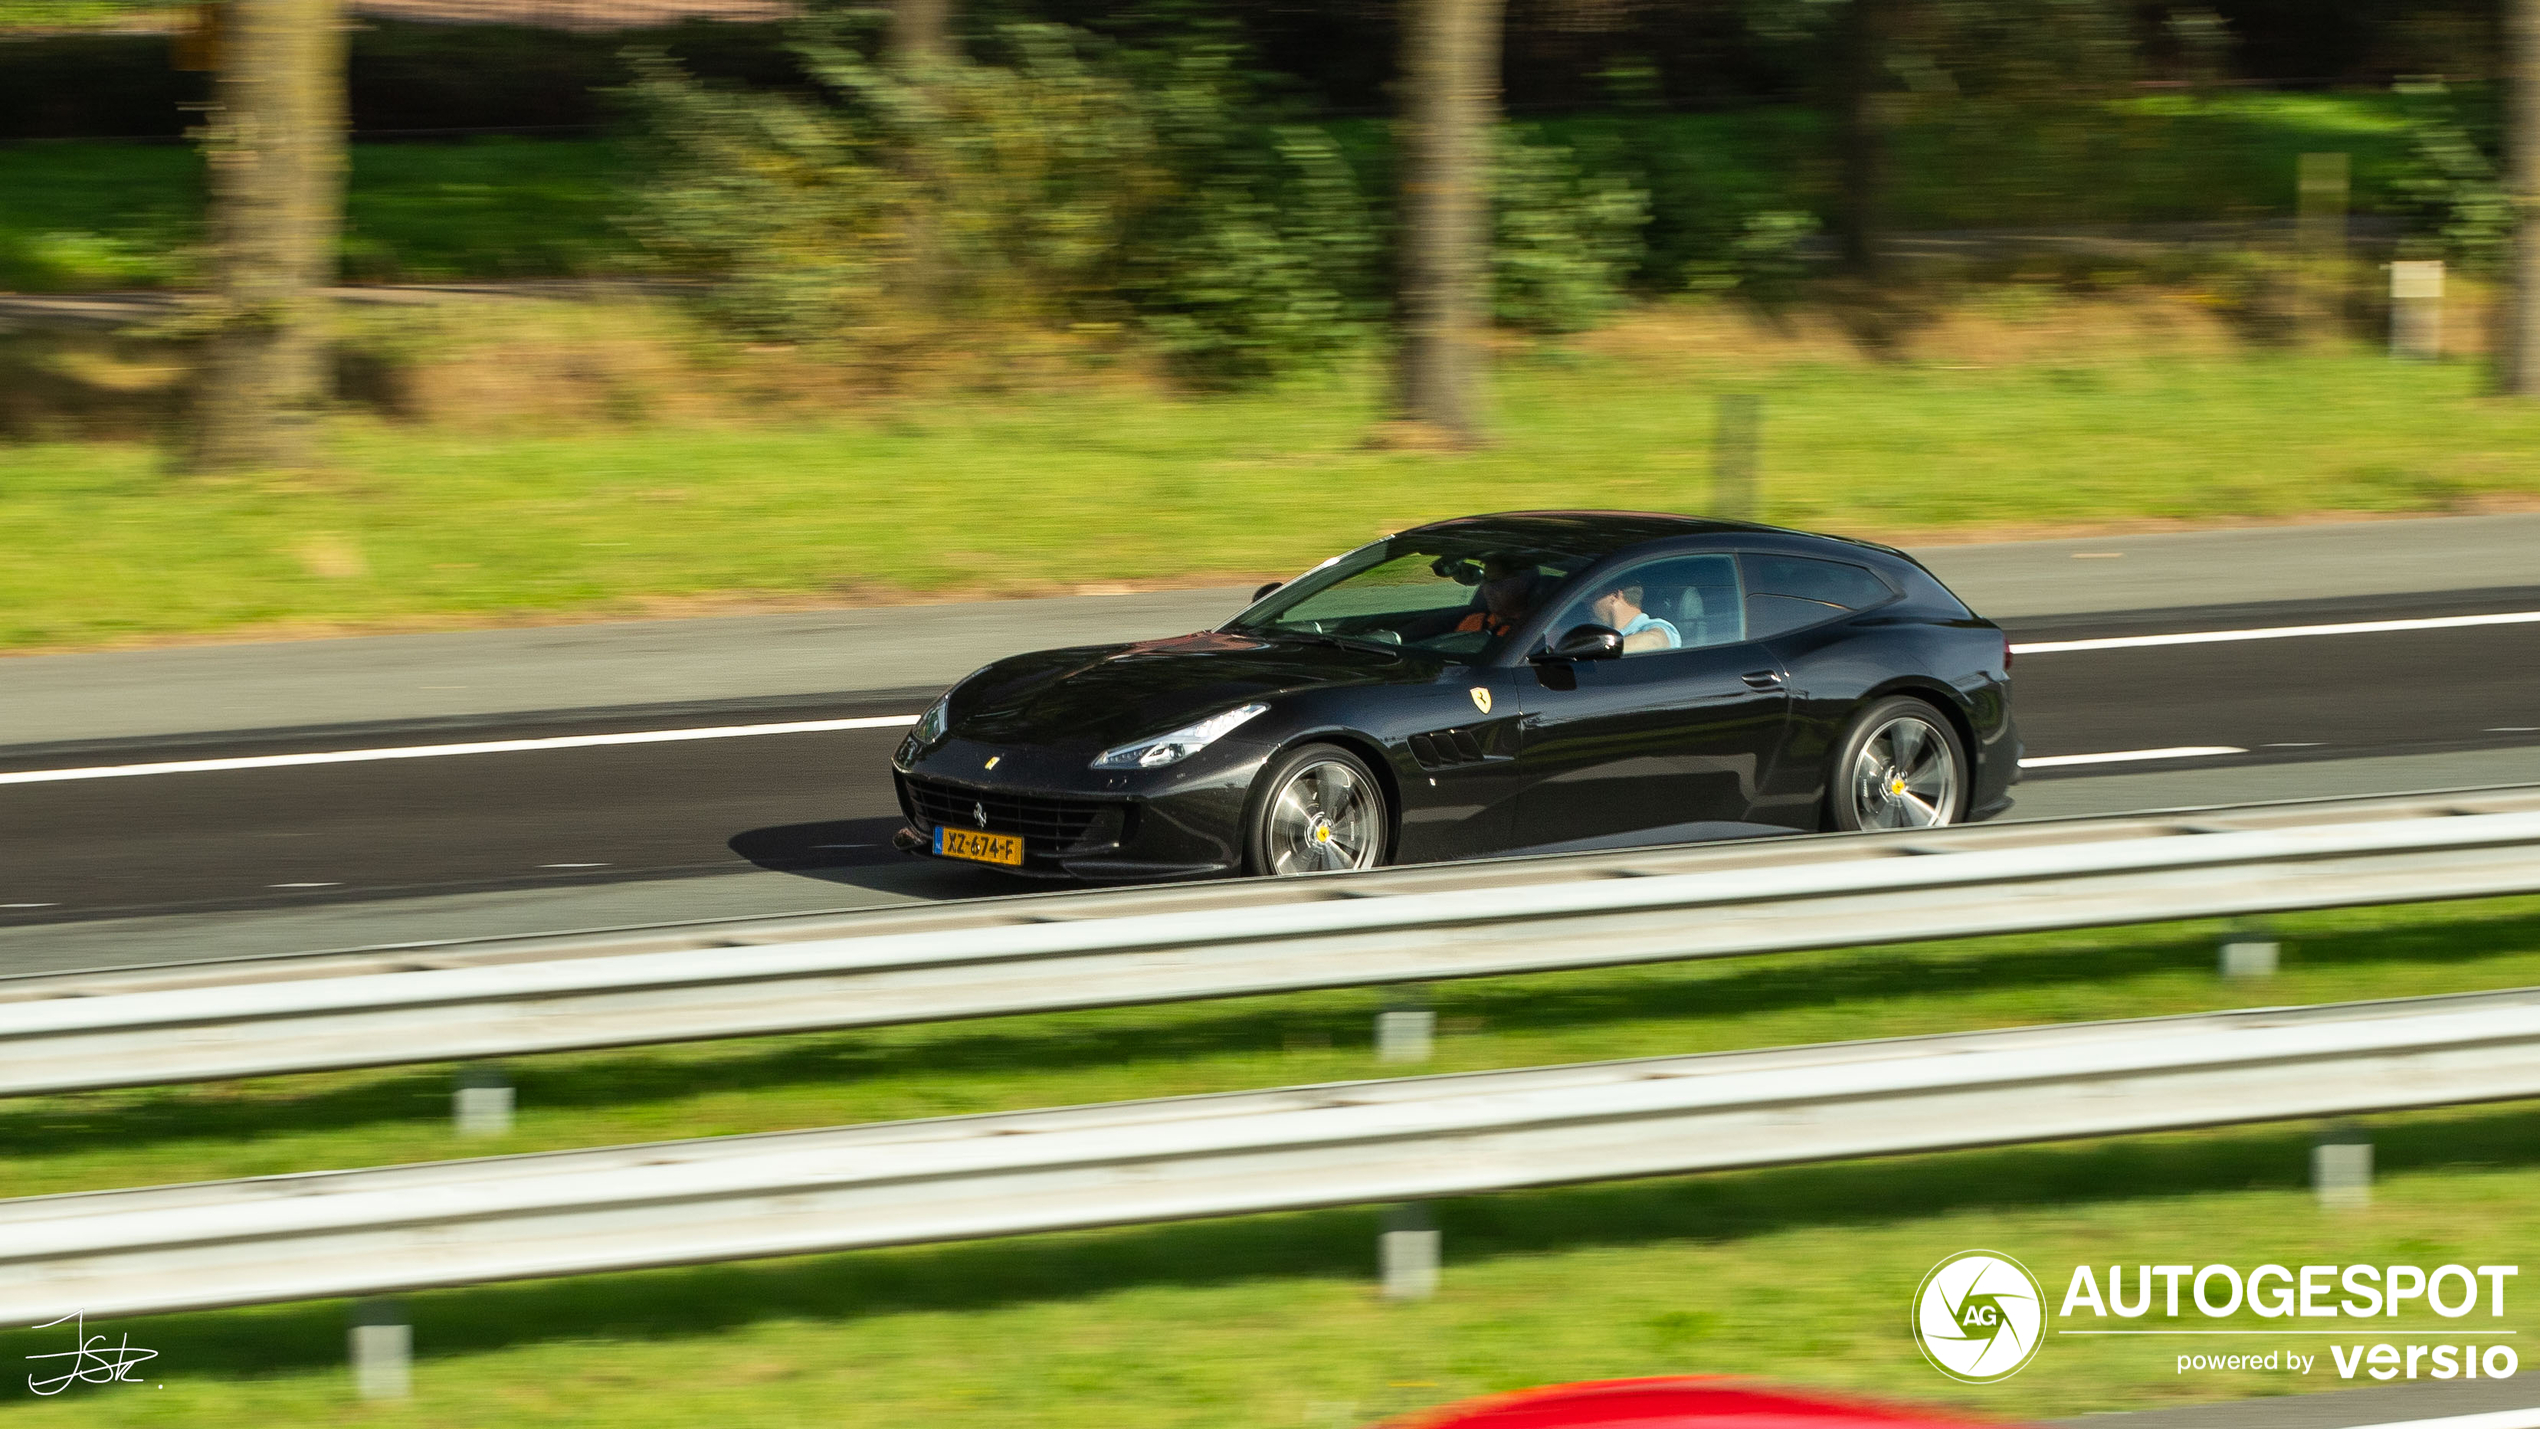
(2032, 424)
(1798, 1274)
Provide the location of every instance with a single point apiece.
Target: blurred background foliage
(1212, 185)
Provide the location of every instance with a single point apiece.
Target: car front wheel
(1317, 809)
(1900, 766)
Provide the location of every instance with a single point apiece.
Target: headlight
(1181, 744)
(930, 725)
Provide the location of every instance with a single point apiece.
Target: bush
(1071, 185)
(1564, 240)
(2449, 190)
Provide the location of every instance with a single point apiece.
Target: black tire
(1315, 809)
(1899, 765)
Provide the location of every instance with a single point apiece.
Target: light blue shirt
(1647, 621)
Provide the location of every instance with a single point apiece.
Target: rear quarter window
(1791, 592)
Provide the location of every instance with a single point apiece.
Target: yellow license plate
(979, 848)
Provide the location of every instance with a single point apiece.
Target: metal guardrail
(297, 1237)
(1159, 945)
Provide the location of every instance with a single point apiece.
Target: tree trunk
(274, 146)
(920, 46)
(1451, 63)
(2518, 341)
(1859, 144)
(921, 32)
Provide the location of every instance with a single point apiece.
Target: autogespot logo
(1979, 1316)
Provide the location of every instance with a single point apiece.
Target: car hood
(1095, 697)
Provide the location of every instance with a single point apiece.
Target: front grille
(1049, 825)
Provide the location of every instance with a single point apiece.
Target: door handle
(1763, 679)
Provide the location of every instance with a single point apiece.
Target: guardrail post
(2250, 950)
(2341, 1167)
(1407, 1031)
(1408, 1252)
(383, 1345)
(482, 1105)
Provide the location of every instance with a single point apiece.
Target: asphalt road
(805, 655)
(2403, 1404)
(816, 808)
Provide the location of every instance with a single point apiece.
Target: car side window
(1671, 603)
(1785, 593)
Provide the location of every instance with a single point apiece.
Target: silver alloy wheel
(1323, 817)
(1905, 777)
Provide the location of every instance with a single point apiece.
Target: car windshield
(1459, 598)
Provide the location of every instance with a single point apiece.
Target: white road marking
(29, 905)
(439, 751)
(823, 726)
(304, 885)
(2185, 751)
(2498, 1419)
(573, 865)
(2279, 632)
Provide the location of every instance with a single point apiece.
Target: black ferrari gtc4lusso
(1534, 682)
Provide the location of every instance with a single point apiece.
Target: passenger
(1619, 608)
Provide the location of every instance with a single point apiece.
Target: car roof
(1604, 533)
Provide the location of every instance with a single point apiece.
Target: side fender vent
(1448, 748)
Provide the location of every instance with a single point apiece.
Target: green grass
(53, 15)
(2153, 160)
(2163, 159)
(1797, 1274)
(1005, 496)
(80, 216)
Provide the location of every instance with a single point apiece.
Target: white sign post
(2416, 309)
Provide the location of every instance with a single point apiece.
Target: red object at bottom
(1674, 1402)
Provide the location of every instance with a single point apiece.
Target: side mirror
(1585, 642)
(1265, 590)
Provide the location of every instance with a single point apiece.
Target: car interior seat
(1707, 606)
(1680, 606)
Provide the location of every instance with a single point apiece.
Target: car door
(1800, 608)
(1461, 739)
(1682, 735)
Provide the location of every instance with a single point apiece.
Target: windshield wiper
(1317, 637)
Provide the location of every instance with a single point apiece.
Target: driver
(1618, 608)
(1507, 593)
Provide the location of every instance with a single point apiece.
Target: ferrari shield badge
(1481, 698)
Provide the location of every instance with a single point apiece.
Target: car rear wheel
(1317, 809)
(1900, 766)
